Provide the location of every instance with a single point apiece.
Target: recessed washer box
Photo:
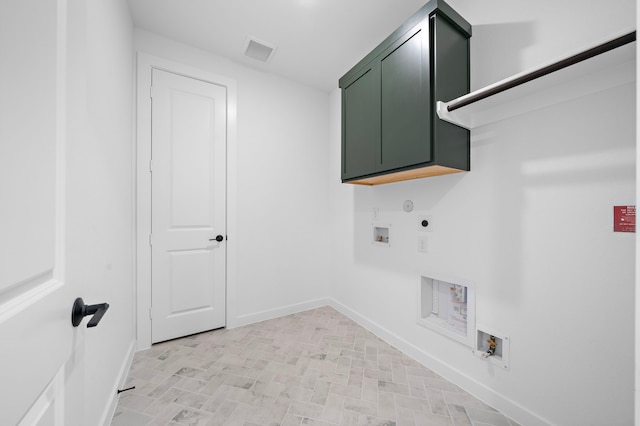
(448, 307)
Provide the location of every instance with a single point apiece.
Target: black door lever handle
(80, 310)
(218, 238)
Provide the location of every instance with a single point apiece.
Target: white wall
(512, 36)
(100, 192)
(530, 225)
(277, 243)
(637, 299)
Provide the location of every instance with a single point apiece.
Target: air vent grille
(259, 50)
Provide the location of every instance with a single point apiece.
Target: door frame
(145, 64)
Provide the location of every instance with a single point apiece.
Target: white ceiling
(317, 40)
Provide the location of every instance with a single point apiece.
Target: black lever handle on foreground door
(80, 310)
(219, 238)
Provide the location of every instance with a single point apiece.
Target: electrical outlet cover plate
(423, 244)
(422, 217)
(375, 213)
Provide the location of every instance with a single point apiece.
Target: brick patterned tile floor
(316, 367)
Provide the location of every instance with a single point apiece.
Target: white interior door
(37, 354)
(188, 205)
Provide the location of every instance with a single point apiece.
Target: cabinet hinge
(150, 165)
(151, 313)
(150, 239)
(151, 92)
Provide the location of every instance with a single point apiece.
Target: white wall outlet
(422, 244)
(375, 213)
(424, 223)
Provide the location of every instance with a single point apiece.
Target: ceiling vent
(258, 49)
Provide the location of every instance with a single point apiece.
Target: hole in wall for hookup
(381, 234)
(492, 347)
(448, 307)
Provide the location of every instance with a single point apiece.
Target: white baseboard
(501, 403)
(110, 407)
(275, 313)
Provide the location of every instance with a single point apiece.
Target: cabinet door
(405, 101)
(360, 124)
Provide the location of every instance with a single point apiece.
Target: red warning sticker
(624, 218)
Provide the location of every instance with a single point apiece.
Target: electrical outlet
(424, 223)
(422, 244)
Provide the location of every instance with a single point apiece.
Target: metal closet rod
(572, 60)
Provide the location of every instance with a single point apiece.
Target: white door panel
(191, 274)
(37, 341)
(35, 299)
(188, 205)
(48, 410)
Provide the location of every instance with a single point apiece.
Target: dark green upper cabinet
(404, 100)
(360, 98)
(390, 131)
